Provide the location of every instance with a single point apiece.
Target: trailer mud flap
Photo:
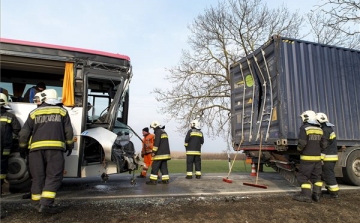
(105, 137)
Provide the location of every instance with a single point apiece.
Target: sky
(152, 33)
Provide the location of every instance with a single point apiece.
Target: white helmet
(195, 124)
(39, 97)
(50, 96)
(308, 116)
(3, 99)
(321, 117)
(154, 124)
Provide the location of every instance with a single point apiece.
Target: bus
(93, 86)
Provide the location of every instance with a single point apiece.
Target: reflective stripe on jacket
(330, 152)
(310, 142)
(161, 147)
(49, 127)
(193, 141)
(9, 125)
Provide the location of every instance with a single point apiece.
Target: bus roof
(52, 46)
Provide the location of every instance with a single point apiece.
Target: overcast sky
(151, 32)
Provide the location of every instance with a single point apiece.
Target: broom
(257, 175)
(226, 179)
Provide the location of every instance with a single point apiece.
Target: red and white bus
(94, 88)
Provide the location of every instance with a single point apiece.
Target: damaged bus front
(94, 88)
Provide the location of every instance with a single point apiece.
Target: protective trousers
(148, 162)
(192, 160)
(4, 168)
(46, 167)
(162, 166)
(309, 172)
(328, 176)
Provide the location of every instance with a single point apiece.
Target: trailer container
(271, 88)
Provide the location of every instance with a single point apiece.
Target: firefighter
(147, 146)
(310, 143)
(329, 156)
(160, 155)
(37, 100)
(10, 128)
(193, 141)
(51, 135)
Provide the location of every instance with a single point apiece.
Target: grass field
(212, 166)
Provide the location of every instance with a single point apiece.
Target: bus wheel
(18, 176)
(351, 173)
(20, 187)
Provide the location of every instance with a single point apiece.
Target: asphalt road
(119, 186)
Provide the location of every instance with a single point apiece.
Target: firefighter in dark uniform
(160, 155)
(193, 141)
(10, 127)
(51, 133)
(310, 144)
(329, 156)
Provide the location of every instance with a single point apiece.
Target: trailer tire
(351, 173)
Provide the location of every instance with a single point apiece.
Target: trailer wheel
(351, 173)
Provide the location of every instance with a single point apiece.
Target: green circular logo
(249, 80)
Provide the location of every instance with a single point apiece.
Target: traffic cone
(253, 171)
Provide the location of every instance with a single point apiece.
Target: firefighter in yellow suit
(147, 146)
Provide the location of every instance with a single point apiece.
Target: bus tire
(17, 167)
(351, 173)
(23, 186)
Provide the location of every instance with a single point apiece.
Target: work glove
(23, 153)
(68, 150)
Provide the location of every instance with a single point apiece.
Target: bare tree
(223, 34)
(331, 35)
(344, 15)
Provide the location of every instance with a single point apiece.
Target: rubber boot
(164, 182)
(151, 182)
(315, 197)
(317, 192)
(304, 196)
(334, 194)
(26, 196)
(49, 209)
(33, 205)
